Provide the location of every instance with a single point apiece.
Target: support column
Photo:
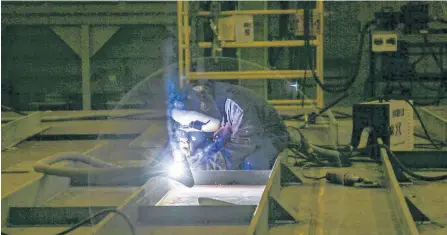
(85, 67)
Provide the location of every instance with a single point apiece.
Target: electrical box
(391, 120)
(384, 41)
(238, 28)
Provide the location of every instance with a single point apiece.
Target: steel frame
(145, 198)
(20, 129)
(184, 46)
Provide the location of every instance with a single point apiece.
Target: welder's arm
(246, 130)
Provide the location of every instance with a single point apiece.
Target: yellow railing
(185, 54)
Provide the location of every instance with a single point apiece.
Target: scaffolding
(184, 52)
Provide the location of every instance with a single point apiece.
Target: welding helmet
(195, 109)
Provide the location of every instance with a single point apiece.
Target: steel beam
(259, 177)
(118, 19)
(288, 43)
(85, 67)
(397, 199)
(78, 8)
(255, 74)
(20, 129)
(270, 208)
(196, 215)
(434, 123)
(53, 216)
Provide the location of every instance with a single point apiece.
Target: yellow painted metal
(180, 39)
(290, 101)
(293, 107)
(288, 43)
(254, 74)
(253, 12)
(187, 39)
(184, 47)
(320, 53)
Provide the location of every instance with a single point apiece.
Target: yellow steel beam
(288, 102)
(288, 43)
(253, 12)
(180, 38)
(254, 74)
(186, 32)
(293, 107)
(320, 52)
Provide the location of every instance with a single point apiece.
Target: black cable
(125, 217)
(356, 66)
(324, 109)
(14, 110)
(423, 125)
(408, 171)
(443, 143)
(311, 177)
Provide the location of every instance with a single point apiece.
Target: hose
(103, 171)
(408, 171)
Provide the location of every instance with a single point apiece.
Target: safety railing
(184, 51)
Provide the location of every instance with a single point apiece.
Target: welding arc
(102, 170)
(408, 171)
(106, 211)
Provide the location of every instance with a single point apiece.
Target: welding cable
(323, 110)
(311, 177)
(106, 211)
(408, 171)
(14, 110)
(103, 171)
(357, 64)
(423, 126)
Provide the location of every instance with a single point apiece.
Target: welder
(219, 126)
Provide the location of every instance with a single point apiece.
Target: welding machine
(392, 121)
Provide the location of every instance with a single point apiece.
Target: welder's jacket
(258, 132)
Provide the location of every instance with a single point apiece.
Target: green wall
(38, 66)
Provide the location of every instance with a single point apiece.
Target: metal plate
(195, 215)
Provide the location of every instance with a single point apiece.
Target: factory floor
(323, 208)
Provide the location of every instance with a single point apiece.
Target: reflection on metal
(20, 129)
(185, 53)
(403, 215)
(154, 136)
